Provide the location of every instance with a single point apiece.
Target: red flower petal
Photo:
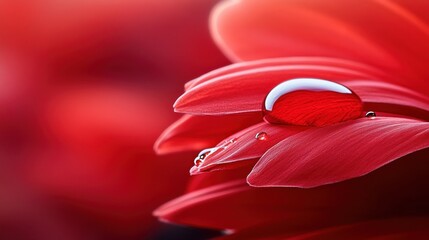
(224, 94)
(336, 153)
(248, 30)
(320, 61)
(208, 179)
(198, 132)
(173, 209)
(386, 97)
(289, 29)
(245, 91)
(233, 205)
(247, 146)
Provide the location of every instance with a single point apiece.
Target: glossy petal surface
(247, 146)
(198, 132)
(271, 62)
(220, 95)
(231, 204)
(354, 30)
(339, 152)
(245, 91)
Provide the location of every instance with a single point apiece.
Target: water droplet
(227, 143)
(198, 162)
(203, 155)
(311, 102)
(262, 136)
(370, 114)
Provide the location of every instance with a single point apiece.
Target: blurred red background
(86, 87)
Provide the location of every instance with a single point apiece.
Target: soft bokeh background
(86, 86)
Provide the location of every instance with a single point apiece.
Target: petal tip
(194, 171)
(215, 17)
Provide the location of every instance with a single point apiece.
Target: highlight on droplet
(311, 102)
(261, 136)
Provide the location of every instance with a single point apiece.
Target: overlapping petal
(354, 30)
(247, 146)
(347, 43)
(273, 62)
(336, 153)
(231, 204)
(198, 132)
(244, 91)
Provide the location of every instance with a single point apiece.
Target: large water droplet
(262, 136)
(311, 102)
(371, 114)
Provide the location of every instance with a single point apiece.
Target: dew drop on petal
(227, 143)
(311, 102)
(370, 114)
(203, 155)
(261, 136)
(198, 162)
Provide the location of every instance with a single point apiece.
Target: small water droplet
(204, 154)
(261, 136)
(227, 143)
(198, 162)
(311, 102)
(371, 114)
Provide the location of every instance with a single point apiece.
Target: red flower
(346, 173)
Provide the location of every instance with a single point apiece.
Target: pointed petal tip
(195, 171)
(179, 104)
(162, 151)
(176, 104)
(159, 151)
(214, 19)
(159, 145)
(163, 147)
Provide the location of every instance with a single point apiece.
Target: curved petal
(210, 179)
(321, 61)
(339, 152)
(230, 204)
(354, 30)
(224, 94)
(245, 91)
(289, 29)
(198, 132)
(247, 146)
(390, 98)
